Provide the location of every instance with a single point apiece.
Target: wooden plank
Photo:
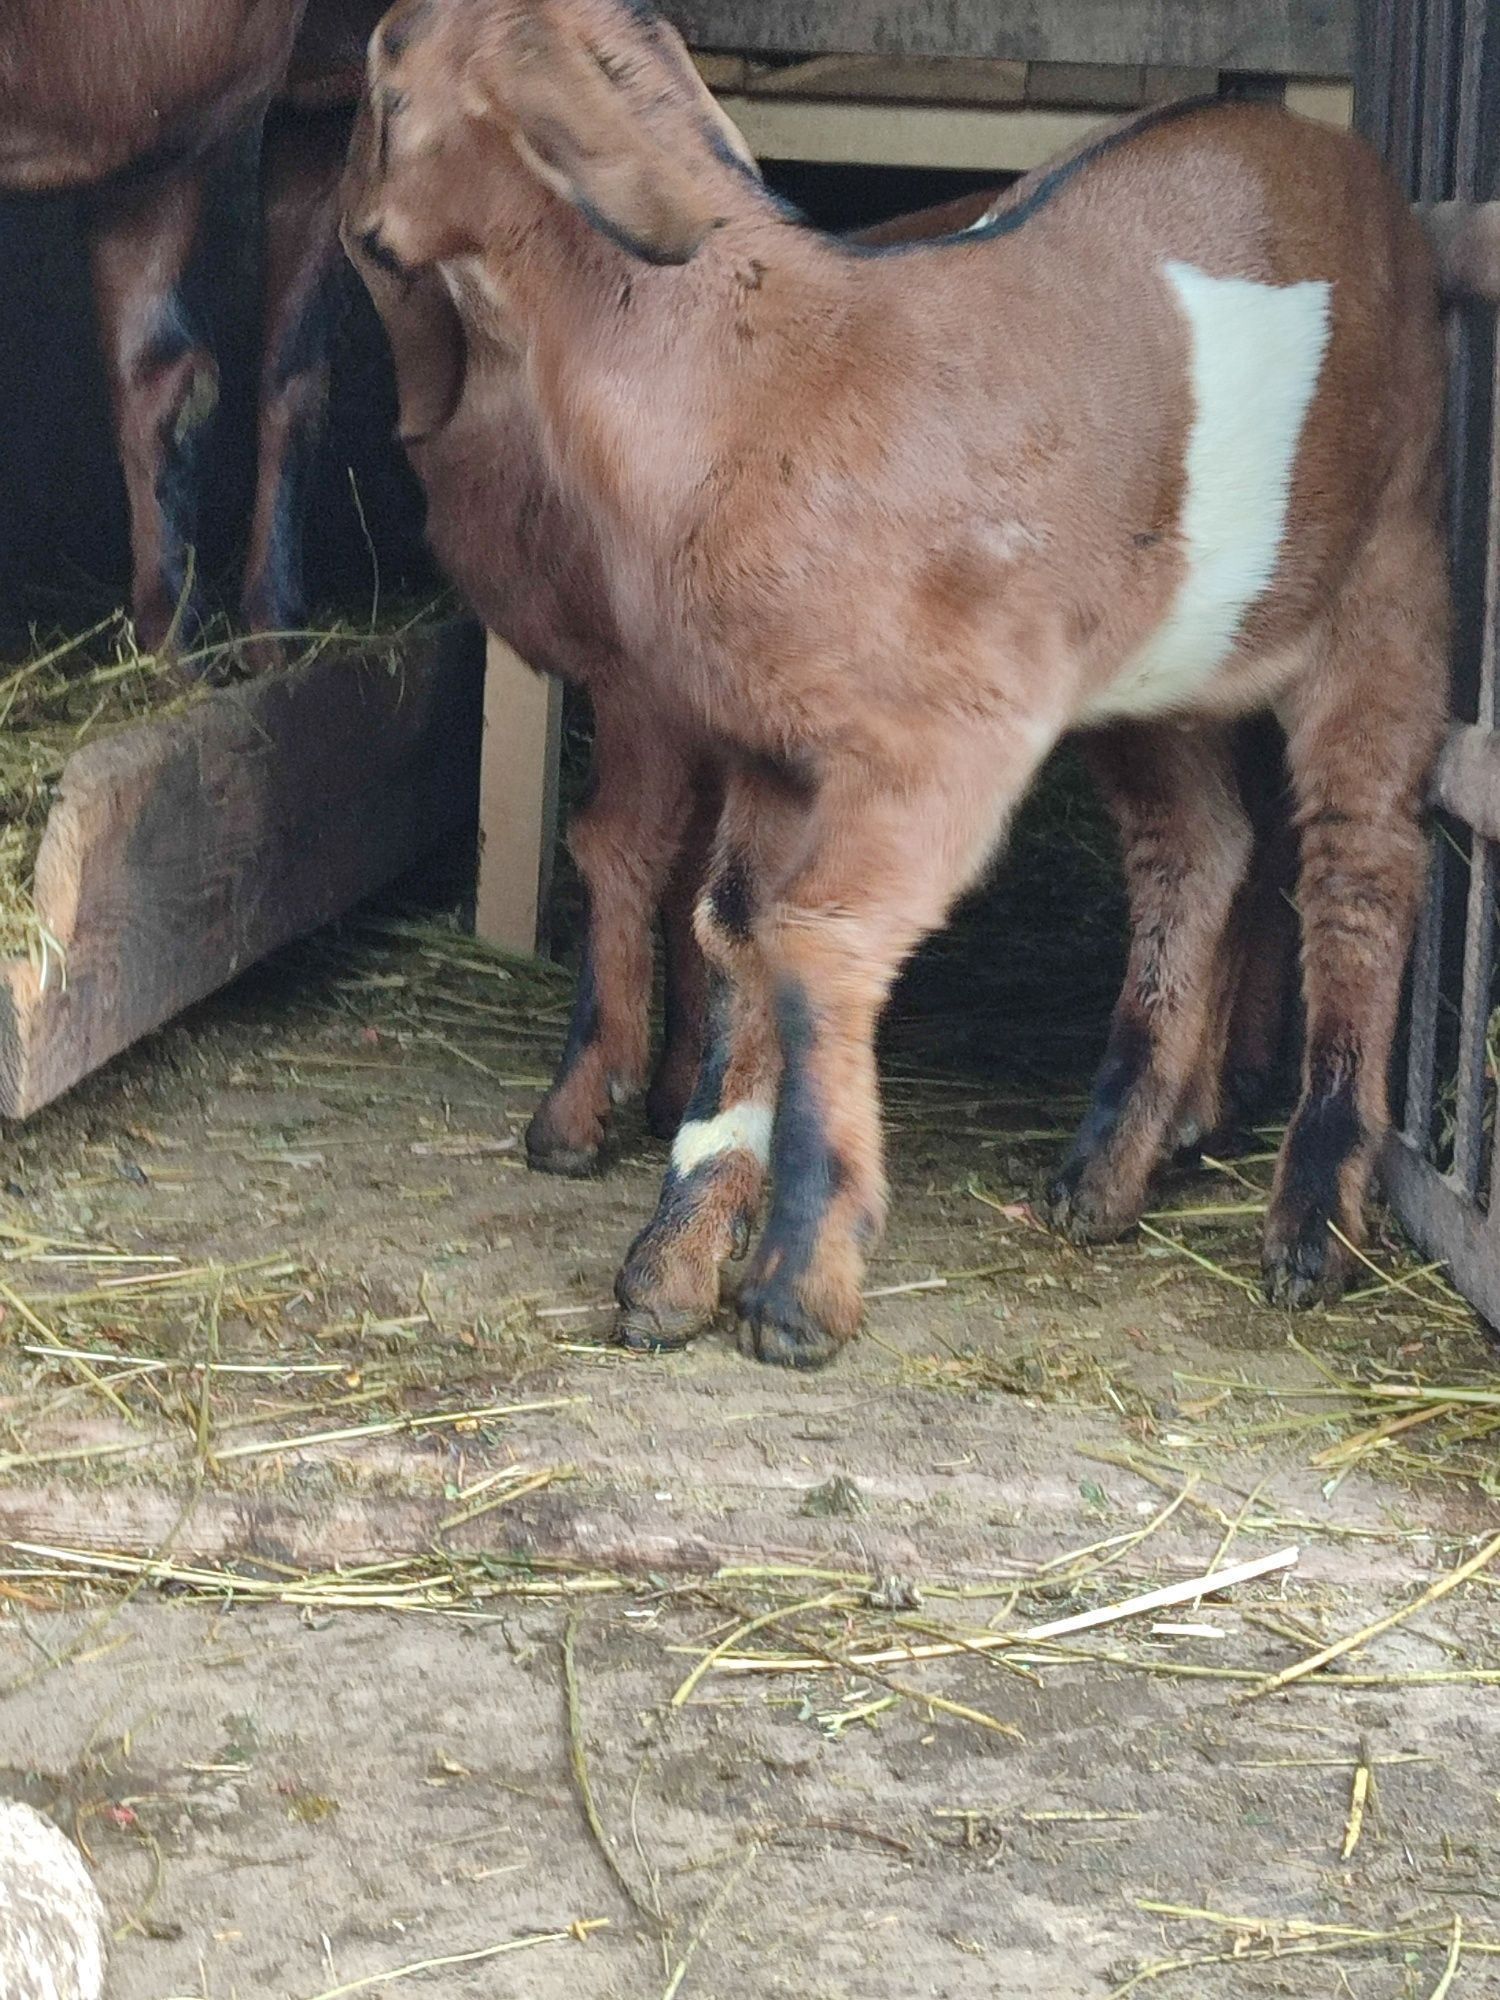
(181, 851)
(1292, 37)
(1442, 1222)
(906, 135)
(1328, 103)
(960, 80)
(890, 79)
(1110, 86)
(518, 799)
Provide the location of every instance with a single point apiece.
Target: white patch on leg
(1256, 355)
(743, 1128)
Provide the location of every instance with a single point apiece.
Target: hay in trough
(70, 691)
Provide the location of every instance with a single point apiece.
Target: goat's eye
(615, 70)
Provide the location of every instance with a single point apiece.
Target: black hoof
(547, 1154)
(656, 1329)
(779, 1333)
(1070, 1211)
(1306, 1268)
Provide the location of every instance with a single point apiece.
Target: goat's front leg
(1187, 844)
(163, 384)
(894, 851)
(626, 838)
(302, 281)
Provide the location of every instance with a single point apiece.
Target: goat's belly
(1255, 356)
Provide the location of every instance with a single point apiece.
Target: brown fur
(528, 566)
(141, 102)
(882, 528)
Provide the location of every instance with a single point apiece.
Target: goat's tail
(1466, 236)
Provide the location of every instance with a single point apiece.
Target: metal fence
(1428, 95)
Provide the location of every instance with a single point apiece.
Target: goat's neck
(645, 378)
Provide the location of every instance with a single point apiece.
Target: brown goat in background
(1153, 450)
(142, 105)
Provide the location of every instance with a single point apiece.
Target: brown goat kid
(1155, 449)
(527, 564)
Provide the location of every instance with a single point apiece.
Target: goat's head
(596, 99)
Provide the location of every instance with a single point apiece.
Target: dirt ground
(336, 1716)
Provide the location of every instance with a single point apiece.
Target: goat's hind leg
(1187, 846)
(685, 971)
(163, 382)
(668, 1288)
(1363, 729)
(626, 839)
(302, 280)
(1247, 1032)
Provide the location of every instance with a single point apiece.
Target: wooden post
(517, 800)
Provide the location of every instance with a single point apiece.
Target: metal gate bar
(1427, 95)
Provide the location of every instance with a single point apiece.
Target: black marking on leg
(305, 345)
(277, 596)
(1325, 1133)
(178, 484)
(583, 1027)
(1126, 1059)
(707, 1100)
(808, 1175)
(1302, 1266)
(544, 1151)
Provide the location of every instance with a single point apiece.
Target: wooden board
(517, 800)
(180, 851)
(1290, 37)
(961, 138)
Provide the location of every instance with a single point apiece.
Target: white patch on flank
(743, 1128)
(1256, 353)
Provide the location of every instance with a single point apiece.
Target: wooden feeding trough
(179, 851)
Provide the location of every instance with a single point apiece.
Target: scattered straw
(1354, 1640)
(1359, 1799)
(1172, 1593)
(1455, 1957)
(726, 1890)
(574, 1934)
(578, 1761)
(396, 1426)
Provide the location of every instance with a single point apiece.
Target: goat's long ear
(715, 117)
(431, 353)
(428, 345)
(572, 123)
